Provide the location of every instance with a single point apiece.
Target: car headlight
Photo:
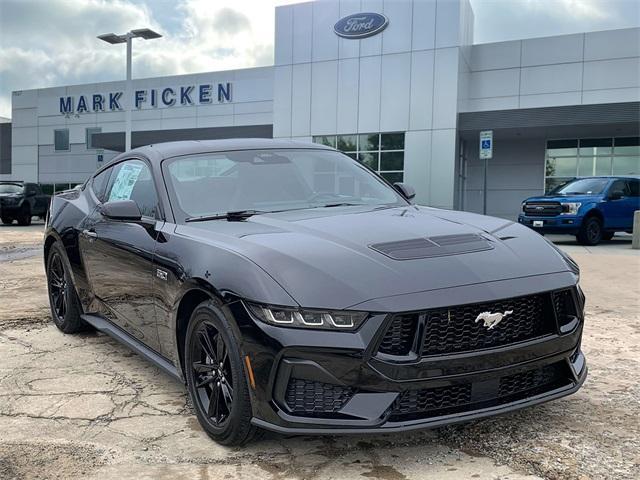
(570, 208)
(303, 318)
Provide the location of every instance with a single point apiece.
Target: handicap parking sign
(486, 144)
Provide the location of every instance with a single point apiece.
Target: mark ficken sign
(203, 94)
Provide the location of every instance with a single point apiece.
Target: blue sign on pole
(486, 144)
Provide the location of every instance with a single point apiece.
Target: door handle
(89, 234)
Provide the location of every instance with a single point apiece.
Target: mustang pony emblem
(492, 319)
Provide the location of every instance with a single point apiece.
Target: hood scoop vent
(430, 247)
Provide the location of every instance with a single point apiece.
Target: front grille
(541, 209)
(309, 397)
(465, 397)
(455, 330)
(398, 339)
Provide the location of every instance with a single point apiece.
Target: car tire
(219, 392)
(24, 219)
(63, 299)
(7, 220)
(590, 231)
(607, 236)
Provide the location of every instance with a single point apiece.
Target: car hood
(324, 258)
(565, 198)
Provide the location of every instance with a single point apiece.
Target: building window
(61, 139)
(88, 132)
(588, 157)
(381, 152)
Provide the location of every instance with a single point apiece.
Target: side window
(31, 189)
(619, 186)
(132, 180)
(99, 183)
(634, 188)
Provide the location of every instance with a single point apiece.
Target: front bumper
(561, 224)
(10, 210)
(362, 391)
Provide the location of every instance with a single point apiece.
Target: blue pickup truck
(593, 209)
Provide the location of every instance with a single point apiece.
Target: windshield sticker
(126, 179)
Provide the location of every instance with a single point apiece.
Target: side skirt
(105, 326)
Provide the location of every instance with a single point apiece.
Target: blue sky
(46, 43)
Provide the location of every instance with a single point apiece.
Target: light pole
(127, 38)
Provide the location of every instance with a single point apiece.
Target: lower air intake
(307, 397)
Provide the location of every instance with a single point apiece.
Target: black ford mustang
(296, 291)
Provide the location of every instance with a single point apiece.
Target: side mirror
(126, 210)
(407, 191)
(616, 195)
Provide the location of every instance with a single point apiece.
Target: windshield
(10, 188)
(272, 180)
(583, 186)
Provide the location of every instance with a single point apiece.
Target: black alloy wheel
(212, 373)
(216, 375)
(63, 299)
(590, 232)
(57, 287)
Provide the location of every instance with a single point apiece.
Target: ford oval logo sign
(360, 25)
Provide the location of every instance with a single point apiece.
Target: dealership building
(397, 84)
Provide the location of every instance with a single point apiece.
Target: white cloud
(46, 43)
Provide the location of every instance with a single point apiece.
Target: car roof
(194, 147)
(636, 177)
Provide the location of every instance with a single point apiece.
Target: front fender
(183, 264)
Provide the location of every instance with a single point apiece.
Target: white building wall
(37, 114)
(404, 79)
(516, 172)
(587, 68)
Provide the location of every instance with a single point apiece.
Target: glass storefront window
(626, 165)
(627, 146)
(369, 142)
(566, 159)
(391, 161)
(585, 166)
(348, 143)
(329, 141)
(629, 150)
(381, 152)
(369, 159)
(603, 166)
(561, 166)
(392, 141)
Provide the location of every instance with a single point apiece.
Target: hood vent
(438, 246)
